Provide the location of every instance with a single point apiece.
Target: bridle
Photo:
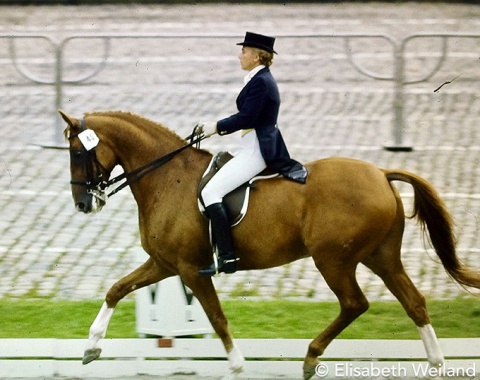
(96, 185)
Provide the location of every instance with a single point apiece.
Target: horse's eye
(76, 154)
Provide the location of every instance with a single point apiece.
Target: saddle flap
(236, 202)
(216, 163)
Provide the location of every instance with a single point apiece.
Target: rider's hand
(208, 128)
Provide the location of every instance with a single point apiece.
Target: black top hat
(259, 41)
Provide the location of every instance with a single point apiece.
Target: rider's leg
(247, 163)
(222, 235)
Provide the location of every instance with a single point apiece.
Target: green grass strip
(455, 318)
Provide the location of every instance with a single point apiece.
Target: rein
(140, 172)
(97, 187)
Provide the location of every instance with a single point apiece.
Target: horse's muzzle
(91, 202)
(84, 205)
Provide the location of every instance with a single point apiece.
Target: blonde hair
(265, 57)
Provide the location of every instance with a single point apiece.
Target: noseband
(96, 185)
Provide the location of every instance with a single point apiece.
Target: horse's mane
(136, 120)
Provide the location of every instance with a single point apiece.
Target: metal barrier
(398, 76)
(401, 81)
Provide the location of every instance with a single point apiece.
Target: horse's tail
(432, 214)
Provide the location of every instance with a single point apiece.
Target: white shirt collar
(252, 73)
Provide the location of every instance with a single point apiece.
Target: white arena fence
(265, 358)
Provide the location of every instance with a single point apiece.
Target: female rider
(261, 145)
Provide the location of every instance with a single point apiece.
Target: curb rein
(97, 186)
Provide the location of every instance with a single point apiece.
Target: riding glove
(208, 128)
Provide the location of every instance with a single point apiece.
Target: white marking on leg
(236, 359)
(99, 326)
(432, 347)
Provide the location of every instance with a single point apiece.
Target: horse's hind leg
(353, 303)
(146, 274)
(386, 264)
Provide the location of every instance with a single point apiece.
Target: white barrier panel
(168, 308)
(265, 358)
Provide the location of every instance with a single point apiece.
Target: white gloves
(208, 128)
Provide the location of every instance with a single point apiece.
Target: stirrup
(220, 265)
(229, 262)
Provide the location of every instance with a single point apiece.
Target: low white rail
(265, 358)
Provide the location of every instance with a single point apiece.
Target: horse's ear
(71, 121)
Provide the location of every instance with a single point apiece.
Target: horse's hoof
(91, 354)
(309, 370)
(308, 373)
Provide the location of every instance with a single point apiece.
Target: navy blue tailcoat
(258, 105)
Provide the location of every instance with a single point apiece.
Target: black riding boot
(222, 235)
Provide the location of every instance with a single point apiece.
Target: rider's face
(249, 58)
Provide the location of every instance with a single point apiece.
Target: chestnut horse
(348, 213)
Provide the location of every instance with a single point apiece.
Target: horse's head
(90, 165)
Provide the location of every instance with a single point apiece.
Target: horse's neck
(137, 144)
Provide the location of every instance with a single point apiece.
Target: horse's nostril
(81, 206)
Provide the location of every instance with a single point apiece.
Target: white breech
(246, 163)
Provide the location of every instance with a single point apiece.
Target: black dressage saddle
(236, 202)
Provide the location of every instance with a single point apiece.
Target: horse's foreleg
(98, 330)
(203, 289)
(146, 274)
